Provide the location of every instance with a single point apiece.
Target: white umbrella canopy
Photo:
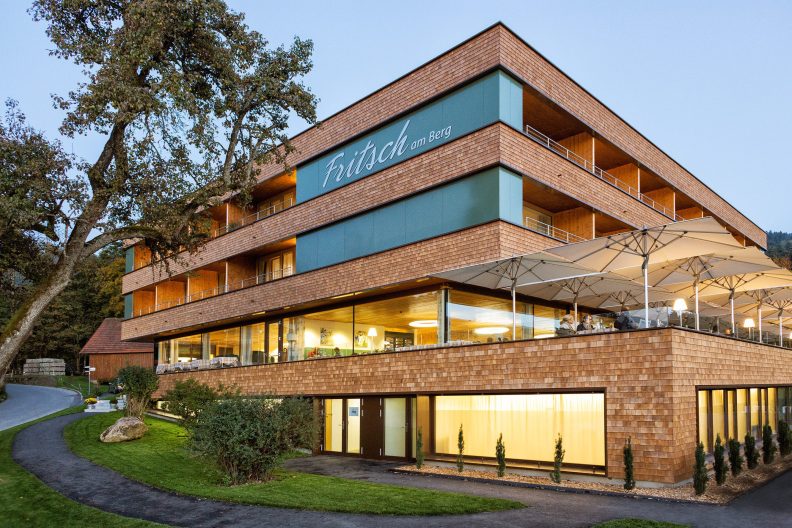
(707, 267)
(511, 273)
(652, 245)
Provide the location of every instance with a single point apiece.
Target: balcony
(553, 232)
(603, 175)
(269, 210)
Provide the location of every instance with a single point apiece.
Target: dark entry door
(371, 427)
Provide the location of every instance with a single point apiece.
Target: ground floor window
(530, 424)
(735, 412)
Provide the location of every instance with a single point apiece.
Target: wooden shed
(108, 353)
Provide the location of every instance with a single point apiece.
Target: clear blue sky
(708, 82)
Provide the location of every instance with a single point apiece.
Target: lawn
(161, 459)
(78, 383)
(26, 502)
(638, 523)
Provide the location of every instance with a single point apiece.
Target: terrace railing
(605, 176)
(212, 292)
(553, 232)
(276, 207)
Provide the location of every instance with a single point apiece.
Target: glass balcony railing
(213, 292)
(608, 178)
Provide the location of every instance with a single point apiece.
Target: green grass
(161, 459)
(638, 523)
(25, 502)
(78, 383)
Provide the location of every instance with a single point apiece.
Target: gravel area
(731, 489)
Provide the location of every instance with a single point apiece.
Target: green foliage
(248, 437)
(629, 474)
(768, 446)
(558, 460)
(500, 455)
(779, 247)
(461, 447)
(419, 450)
(188, 398)
(751, 453)
(784, 438)
(139, 384)
(719, 465)
(162, 459)
(700, 475)
(736, 460)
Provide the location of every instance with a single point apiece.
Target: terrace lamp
(680, 306)
(372, 333)
(749, 325)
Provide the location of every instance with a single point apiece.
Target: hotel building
(326, 285)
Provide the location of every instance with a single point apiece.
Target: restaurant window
(253, 343)
(546, 320)
(224, 343)
(187, 348)
(393, 324)
(478, 318)
(322, 334)
(530, 424)
(274, 338)
(164, 352)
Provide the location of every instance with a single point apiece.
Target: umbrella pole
(759, 316)
(576, 316)
(646, 291)
(731, 304)
(780, 330)
(514, 310)
(697, 306)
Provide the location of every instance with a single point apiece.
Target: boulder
(126, 428)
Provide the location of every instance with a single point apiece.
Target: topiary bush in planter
(719, 464)
(419, 452)
(500, 455)
(558, 460)
(700, 476)
(736, 460)
(784, 439)
(461, 446)
(768, 446)
(629, 474)
(751, 453)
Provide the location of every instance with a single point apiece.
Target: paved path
(30, 402)
(42, 450)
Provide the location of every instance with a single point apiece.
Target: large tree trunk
(21, 324)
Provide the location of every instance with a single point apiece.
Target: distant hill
(779, 247)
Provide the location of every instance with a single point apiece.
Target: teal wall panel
(128, 306)
(483, 197)
(129, 255)
(494, 97)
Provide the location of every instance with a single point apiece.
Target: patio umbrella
(509, 273)
(706, 267)
(643, 247)
(730, 285)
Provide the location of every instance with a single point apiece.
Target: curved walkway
(41, 450)
(26, 403)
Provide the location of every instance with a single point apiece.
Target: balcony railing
(553, 232)
(276, 207)
(212, 292)
(605, 176)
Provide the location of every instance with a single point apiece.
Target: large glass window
(224, 343)
(258, 343)
(530, 424)
(321, 334)
(396, 323)
(478, 318)
(188, 348)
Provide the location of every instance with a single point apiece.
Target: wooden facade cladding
(479, 244)
(108, 365)
(649, 378)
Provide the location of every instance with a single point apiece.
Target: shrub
(419, 454)
(113, 401)
(500, 455)
(189, 397)
(751, 453)
(461, 446)
(629, 474)
(700, 476)
(784, 439)
(558, 459)
(768, 446)
(139, 384)
(736, 460)
(248, 437)
(719, 465)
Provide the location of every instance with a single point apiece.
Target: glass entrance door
(395, 427)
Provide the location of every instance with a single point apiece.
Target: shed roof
(107, 340)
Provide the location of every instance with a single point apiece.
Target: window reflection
(478, 318)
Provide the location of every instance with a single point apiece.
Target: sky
(710, 83)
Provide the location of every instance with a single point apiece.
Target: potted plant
(114, 403)
(90, 402)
